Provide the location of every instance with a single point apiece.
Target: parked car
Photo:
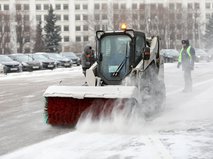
(201, 55)
(60, 61)
(26, 61)
(170, 55)
(44, 61)
(73, 57)
(9, 65)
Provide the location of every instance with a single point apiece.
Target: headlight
(24, 64)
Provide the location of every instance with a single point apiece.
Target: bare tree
(24, 30)
(4, 33)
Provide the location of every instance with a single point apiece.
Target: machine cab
(118, 52)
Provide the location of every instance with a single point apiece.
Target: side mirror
(146, 53)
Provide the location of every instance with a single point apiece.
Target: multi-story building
(79, 19)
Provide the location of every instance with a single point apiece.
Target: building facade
(173, 20)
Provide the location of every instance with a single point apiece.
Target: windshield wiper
(116, 73)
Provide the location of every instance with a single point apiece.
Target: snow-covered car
(9, 65)
(44, 61)
(169, 55)
(60, 61)
(26, 61)
(72, 56)
(201, 55)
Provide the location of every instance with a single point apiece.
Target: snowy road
(22, 104)
(184, 130)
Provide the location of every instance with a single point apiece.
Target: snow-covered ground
(183, 130)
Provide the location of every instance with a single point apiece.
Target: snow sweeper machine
(129, 68)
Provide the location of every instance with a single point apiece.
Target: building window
(59, 28)
(6, 7)
(190, 6)
(104, 6)
(38, 17)
(97, 16)
(38, 7)
(18, 6)
(142, 17)
(58, 17)
(208, 15)
(115, 6)
(58, 7)
(6, 28)
(153, 7)
(135, 16)
(197, 6)
(142, 27)
(26, 7)
(66, 39)
(104, 16)
(27, 28)
(77, 38)
(85, 28)
(77, 7)
(134, 6)
(160, 7)
(46, 6)
(86, 38)
(178, 6)
(85, 17)
(208, 5)
(135, 26)
(171, 6)
(123, 6)
(115, 17)
(66, 17)
(77, 17)
(66, 28)
(26, 18)
(66, 7)
(142, 6)
(179, 16)
(78, 28)
(179, 36)
(85, 6)
(97, 27)
(97, 6)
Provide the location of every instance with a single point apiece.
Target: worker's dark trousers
(188, 80)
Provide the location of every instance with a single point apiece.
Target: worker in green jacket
(186, 59)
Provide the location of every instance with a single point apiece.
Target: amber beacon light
(123, 26)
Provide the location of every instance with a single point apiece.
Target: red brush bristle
(67, 111)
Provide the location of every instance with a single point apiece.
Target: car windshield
(23, 58)
(69, 54)
(55, 56)
(4, 58)
(39, 57)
